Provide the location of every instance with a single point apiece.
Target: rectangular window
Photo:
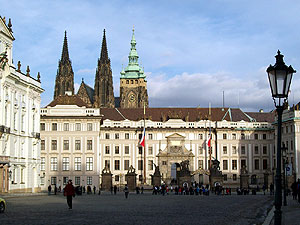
(225, 177)
(224, 149)
(89, 163)
(106, 135)
(65, 165)
(107, 164)
(265, 150)
(106, 149)
(42, 144)
(200, 150)
(23, 123)
(117, 136)
(140, 150)
(66, 127)
(117, 178)
(292, 145)
(53, 164)
(126, 135)
(243, 136)
(287, 129)
(117, 150)
(126, 164)
(54, 144)
(53, 180)
(234, 164)
(256, 136)
(150, 164)
(117, 164)
(256, 164)
(224, 136)
(89, 144)
(66, 144)
(256, 150)
(65, 180)
(54, 126)
(78, 127)
(265, 164)
(77, 181)
(200, 136)
(140, 164)
(150, 150)
(264, 136)
(234, 176)
(77, 163)
(243, 150)
(150, 136)
(43, 162)
(42, 126)
(90, 127)
(200, 164)
(225, 164)
(233, 150)
(126, 150)
(243, 163)
(233, 136)
(89, 180)
(77, 144)
(164, 163)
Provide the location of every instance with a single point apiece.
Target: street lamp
(280, 77)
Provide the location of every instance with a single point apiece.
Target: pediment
(175, 135)
(4, 29)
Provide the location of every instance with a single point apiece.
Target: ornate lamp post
(280, 77)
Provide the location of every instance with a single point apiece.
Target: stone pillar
(131, 179)
(106, 183)
(244, 178)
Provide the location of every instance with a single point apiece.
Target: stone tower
(64, 82)
(103, 90)
(133, 84)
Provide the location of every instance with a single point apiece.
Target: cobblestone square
(137, 209)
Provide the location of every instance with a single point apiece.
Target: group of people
(181, 190)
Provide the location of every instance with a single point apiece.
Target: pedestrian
(142, 190)
(49, 189)
(126, 191)
(55, 189)
(298, 190)
(94, 189)
(115, 189)
(264, 189)
(69, 193)
(271, 189)
(294, 190)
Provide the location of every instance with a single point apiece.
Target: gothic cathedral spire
(64, 83)
(104, 92)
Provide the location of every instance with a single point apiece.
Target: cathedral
(133, 84)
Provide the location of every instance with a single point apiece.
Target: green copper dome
(133, 70)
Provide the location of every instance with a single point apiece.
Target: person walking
(126, 191)
(69, 193)
(55, 189)
(49, 189)
(298, 190)
(294, 190)
(94, 189)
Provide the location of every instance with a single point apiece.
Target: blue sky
(192, 51)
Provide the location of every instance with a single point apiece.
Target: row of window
(117, 165)
(66, 164)
(126, 136)
(66, 127)
(66, 145)
(126, 150)
(89, 181)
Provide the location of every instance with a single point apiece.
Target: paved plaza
(137, 209)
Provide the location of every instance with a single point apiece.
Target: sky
(192, 51)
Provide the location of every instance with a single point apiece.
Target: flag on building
(142, 142)
(209, 141)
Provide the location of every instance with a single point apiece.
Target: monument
(131, 178)
(106, 179)
(244, 178)
(216, 176)
(184, 176)
(156, 177)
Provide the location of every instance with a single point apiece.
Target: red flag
(209, 141)
(142, 142)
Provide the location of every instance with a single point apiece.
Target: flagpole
(209, 147)
(144, 144)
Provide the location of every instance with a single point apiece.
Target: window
(200, 136)
(54, 126)
(150, 136)
(107, 164)
(234, 164)
(126, 150)
(256, 164)
(117, 150)
(255, 136)
(200, 164)
(54, 144)
(77, 181)
(126, 164)
(224, 136)
(78, 127)
(243, 150)
(106, 149)
(256, 150)
(200, 150)
(66, 144)
(15, 121)
(164, 163)
(292, 145)
(233, 136)
(126, 135)
(117, 136)
(265, 150)
(233, 150)
(224, 149)
(287, 129)
(77, 144)
(225, 164)
(265, 164)
(106, 135)
(43, 162)
(53, 180)
(77, 163)
(243, 136)
(264, 136)
(89, 181)
(66, 127)
(140, 150)
(23, 123)
(117, 178)
(42, 126)
(150, 150)
(65, 165)
(89, 144)
(234, 177)
(140, 177)
(225, 177)
(42, 144)
(89, 163)
(150, 164)
(117, 164)
(90, 127)
(65, 180)
(243, 163)
(53, 164)
(140, 164)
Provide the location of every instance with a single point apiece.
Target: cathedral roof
(67, 100)
(262, 116)
(89, 90)
(186, 114)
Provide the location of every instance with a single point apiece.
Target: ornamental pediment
(4, 29)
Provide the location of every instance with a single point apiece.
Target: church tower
(103, 90)
(133, 84)
(64, 82)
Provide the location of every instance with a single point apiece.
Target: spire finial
(19, 66)
(28, 72)
(39, 77)
(104, 52)
(65, 51)
(82, 80)
(133, 28)
(9, 25)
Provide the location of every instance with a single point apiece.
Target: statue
(3, 59)
(244, 170)
(131, 170)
